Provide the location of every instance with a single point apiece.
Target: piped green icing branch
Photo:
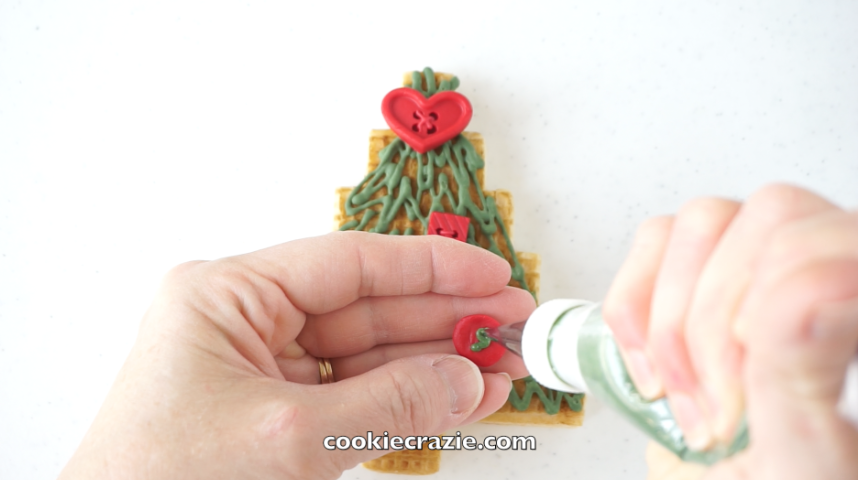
(483, 340)
(462, 158)
(551, 399)
(431, 86)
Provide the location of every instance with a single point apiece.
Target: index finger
(326, 273)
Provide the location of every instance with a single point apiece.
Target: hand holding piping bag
(748, 307)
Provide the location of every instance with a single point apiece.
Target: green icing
(551, 399)
(483, 341)
(431, 86)
(462, 159)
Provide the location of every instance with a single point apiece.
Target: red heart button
(425, 123)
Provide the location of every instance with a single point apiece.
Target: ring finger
(305, 369)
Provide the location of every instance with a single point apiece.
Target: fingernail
(725, 410)
(464, 382)
(293, 351)
(508, 378)
(642, 373)
(690, 419)
(721, 424)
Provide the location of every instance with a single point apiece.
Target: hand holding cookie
(224, 377)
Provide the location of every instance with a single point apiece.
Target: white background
(137, 135)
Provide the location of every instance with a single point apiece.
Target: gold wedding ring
(326, 373)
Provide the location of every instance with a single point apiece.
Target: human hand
(730, 307)
(222, 381)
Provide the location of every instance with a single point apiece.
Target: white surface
(137, 135)
(539, 360)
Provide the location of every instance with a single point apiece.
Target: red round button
(465, 335)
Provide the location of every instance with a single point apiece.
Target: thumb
(415, 396)
(800, 341)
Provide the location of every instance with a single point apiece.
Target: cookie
(404, 186)
(409, 462)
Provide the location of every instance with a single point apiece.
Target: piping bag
(566, 346)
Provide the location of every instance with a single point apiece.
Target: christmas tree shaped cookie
(426, 177)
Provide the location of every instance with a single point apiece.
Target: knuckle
(215, 287)
(707, 216)
(408, 407)
(778, 201)
(224, 279)
(833, 233)
(654, 229)
(786, 244)
(182, 271)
